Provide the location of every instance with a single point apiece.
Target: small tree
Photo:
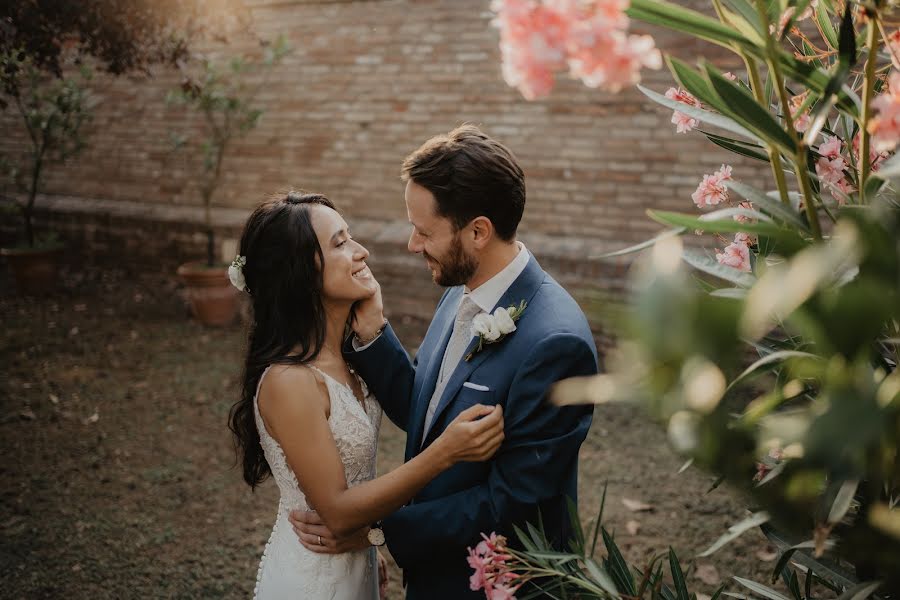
(54, 112)
(220, 91)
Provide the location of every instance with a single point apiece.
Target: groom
(465, 195)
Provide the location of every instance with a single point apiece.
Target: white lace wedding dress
(287, 569)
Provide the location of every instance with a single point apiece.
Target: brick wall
(366, 84)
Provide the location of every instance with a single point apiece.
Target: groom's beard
(456, 268)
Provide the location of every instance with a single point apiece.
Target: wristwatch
(376, 535)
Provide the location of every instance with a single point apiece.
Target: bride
(306, 419)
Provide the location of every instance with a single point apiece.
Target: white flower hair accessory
(236, 273)
(493, 328)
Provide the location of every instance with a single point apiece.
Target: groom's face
(437, 240)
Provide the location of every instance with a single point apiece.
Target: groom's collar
(489, 293)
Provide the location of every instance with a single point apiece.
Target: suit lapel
(445, 320)
(523, 288)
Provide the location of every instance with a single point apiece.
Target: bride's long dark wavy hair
(288, 327)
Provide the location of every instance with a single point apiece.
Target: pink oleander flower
(744, 218)
(532, 41)
(609, 58)
(683, 123)
(885, 125)
(768, 463)
(540, 38)
(840, 190)
(735, 255)
(801, 121)
(501, 592)
(493, 568)
(729, 76)
(831, 147)
(830, 170)
(893, 43)
(711, 190)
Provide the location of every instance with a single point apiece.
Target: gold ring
(320, 540)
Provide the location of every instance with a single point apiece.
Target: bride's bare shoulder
(292, 388)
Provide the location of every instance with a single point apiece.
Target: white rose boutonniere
(491, 329)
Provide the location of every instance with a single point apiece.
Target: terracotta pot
(214, 301)
(35, 270)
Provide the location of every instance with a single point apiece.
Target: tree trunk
(28, 211)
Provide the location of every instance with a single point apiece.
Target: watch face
(376, 537)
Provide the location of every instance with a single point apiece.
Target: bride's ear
(482, 232)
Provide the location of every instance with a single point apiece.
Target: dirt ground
(117, 478)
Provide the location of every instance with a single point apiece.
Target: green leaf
(760, 589)
(771, 360)
(703, 115)
(846, 61)
(767, 204)
(737, 148)
(667, 14)
(715, 224)
(842, 501)
(643, 245)
(861, 591)
(678, 576)
(746, 110)
(824, 21)
(736, 530)
(817, 80)
(748, 12)
(694, 82)
(602, 577)
(618, 568)
(713, 267)
(576, 524)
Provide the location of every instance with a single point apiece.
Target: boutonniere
(494, 328)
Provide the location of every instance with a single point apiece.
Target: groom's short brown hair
(470, 175)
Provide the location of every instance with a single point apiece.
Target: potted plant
(220, 92)
(805, 272)
(54, 111)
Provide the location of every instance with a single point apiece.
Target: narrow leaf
(643, 245)
(842, 501)
(736, 530)
(746, 110)
(767, 204)
(703, 115)
(771, 359)
(760, 589)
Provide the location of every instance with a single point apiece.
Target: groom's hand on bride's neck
(369, 315)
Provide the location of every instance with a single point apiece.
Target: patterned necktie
(459, 341)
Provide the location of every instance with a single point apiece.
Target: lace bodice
(287, 569)
(355, 432)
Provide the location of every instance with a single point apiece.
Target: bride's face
(346, 277)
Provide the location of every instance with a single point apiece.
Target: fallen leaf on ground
(708, 574)
(767, 554)
(632, 527)
(92, 419)
(636, 505)
(28, 414)
(54, 398)
(73, 331)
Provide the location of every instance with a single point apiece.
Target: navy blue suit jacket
(536, 467)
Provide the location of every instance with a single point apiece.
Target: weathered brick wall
(366, 84)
